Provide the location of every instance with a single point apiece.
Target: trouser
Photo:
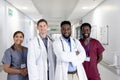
(48, 74)
(73, 76)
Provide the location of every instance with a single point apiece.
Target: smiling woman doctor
(70, 56)
(41, 60)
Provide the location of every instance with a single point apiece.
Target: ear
(36, 27)
(61, 29)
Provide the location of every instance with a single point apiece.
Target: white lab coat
(64, 57)
(37, 60)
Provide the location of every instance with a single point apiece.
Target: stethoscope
(39, 40)
(63, 49)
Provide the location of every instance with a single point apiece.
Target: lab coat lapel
(73, 44)
(65, 45)
(43, 48)
(51, 59)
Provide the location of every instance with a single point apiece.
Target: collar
(67, 40)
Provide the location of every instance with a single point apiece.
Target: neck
(66, 37)
(19, 47)
(86, 41)
(43, 35)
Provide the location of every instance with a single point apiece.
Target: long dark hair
(14, 36)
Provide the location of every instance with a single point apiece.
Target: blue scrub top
(14, 59)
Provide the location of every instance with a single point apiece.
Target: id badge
(87, 59)
(23, 66)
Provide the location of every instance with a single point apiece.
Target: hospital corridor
(101, 17)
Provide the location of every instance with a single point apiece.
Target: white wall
(12, 20)
(107, 14)
(18, 21)
(2, 28)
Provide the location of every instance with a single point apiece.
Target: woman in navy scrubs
(15, 59)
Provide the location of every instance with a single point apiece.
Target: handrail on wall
(116, 63)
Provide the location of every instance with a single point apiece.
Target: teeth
(86, 34)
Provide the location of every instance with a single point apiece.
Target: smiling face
(66, 31)
(42, 27)
(86, 32)
(18, 38)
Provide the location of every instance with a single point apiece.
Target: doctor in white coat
(70, 56)
(41, 59)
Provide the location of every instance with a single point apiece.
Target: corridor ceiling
(54, 11)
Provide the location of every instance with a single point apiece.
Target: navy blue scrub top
(14, 59)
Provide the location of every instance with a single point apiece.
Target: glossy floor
(104, 72)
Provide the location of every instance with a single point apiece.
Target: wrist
(19, 71)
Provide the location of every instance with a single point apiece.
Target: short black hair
(65, 22)
(41, 20)
(85, 24)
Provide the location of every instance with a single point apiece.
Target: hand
(24, 72)
(77, 53)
